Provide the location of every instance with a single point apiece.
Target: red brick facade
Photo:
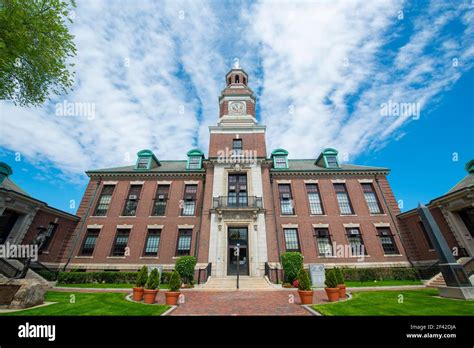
(208, 224)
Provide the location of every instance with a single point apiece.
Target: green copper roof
(468, 180)
(279, 152)
(308, 165)
(195, 152)
(166, 167)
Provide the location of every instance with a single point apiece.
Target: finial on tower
(236, 64)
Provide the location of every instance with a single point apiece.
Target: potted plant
(304, 287)
(151, 287)
(340, 282)
(173, 294)
(140, 283)
(332, 291)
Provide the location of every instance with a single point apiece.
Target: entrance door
(238, 235)
(237, 190)
(7, 221)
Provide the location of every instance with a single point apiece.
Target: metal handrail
(237, 202)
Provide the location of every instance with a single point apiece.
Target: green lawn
(105, 286)
(382, 283)
(104, 303)
(415, 302)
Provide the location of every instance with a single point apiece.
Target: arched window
(245, 82)
(230, 81)
(237, 79)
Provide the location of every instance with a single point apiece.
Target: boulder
(31, 293)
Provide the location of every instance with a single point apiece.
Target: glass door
(237, 235)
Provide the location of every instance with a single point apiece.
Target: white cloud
(334, 64)
(140, 63)
(131, 60)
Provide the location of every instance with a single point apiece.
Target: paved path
(244, 303)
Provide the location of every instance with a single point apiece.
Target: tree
(35, 45)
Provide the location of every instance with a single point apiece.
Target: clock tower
(237, 101)
(237, 119)
(237, 151)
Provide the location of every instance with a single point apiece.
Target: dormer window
(143, 163)
(328, 159)
(280, 162)
(332, 162)
(195, 159)
(146, 160)
(280, 159)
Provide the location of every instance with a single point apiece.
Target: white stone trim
(163, 182)
(289, 225)
(283, 181)
(338, 181)
(191, 182)
(124, 226)
(154, 226)
(321, 225)
(365, 181)
(95, 226)
(110, 182)
(351, 225)
(186, 226)
(381, 224)
(311, 181)
(137, 182)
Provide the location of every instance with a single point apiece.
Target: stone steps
(230, 283)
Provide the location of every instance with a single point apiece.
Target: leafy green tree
(35, 45)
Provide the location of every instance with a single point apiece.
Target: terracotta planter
(306, 297)
(137, 294)
(172, 297)
(342, 290)
(149, 296)
(333, 294)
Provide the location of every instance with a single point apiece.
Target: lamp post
(237, 253)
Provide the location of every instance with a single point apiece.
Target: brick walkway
(244, 303)
(198, 302)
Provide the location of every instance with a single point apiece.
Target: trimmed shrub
(371, 274)
(175, 281)
(153, 281)
(339, 275)
(48, 275)
(142, 277)
(304, 283)
(185, 267)
(291, 262)
(331, 280)
(165, 277)
(97, 277)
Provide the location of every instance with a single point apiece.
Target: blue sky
(148, 74)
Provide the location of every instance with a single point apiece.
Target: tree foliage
(35, 46)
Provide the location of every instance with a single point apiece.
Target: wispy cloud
(151, 72)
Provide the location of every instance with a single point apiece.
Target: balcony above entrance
(237, 207)
(234, 203)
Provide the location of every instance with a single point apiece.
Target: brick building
(154, 211)
(454, 214)
(21, 215)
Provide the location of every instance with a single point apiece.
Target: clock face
(237, 108)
